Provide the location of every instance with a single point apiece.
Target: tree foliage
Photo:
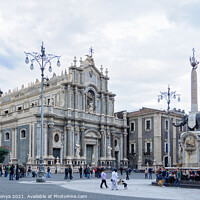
(4, 150)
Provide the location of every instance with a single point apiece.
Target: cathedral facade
(79, 122)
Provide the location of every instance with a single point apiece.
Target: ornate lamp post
(42, 59)
(168, 96)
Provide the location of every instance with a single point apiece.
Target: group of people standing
(13, 171)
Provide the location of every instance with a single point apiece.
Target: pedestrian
(114, 179)
(178, 178)
(17, 172)
(127, 174)
(150, 173)
(48, 172)
(1, 171)
(11, 172)
(146, 173)
(88, 172)
(81, 171)
(70, 173)
(29, 172)
(103, 179)
(66, 172)
(121, 170)
(6, 170)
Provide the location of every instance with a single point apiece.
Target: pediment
(92, 134)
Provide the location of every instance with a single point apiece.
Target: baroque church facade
(79, 122)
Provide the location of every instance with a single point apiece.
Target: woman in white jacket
(114, 179)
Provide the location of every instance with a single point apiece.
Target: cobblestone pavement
(58, 188)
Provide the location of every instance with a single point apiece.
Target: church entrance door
(56, 153)
(166, 161)
(89, 153)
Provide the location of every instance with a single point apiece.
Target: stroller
(121, 182)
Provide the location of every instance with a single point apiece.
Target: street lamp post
(42, 59)
(168, 96)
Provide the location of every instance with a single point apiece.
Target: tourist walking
(87, 172)
(103, 179)
(1, 171)
(81, 171)
(70, 173)
(48, 172)
(121, 170)
(178, 178)
(17, 172)
(114, 179)
(66, 172)
(127, 174)
(29, 172)
(150, 173)
(11, 172)
(146, 173)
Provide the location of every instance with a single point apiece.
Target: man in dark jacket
(11, 172)
(70, 173)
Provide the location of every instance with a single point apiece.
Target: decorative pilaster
(102, 143)
(50, 140)
(125, 145)
(65, 142)
(82, 129)
(69, 142)
(45, 139)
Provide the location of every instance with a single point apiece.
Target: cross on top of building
(91, 51)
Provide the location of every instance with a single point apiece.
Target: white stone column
(0, 136)
(45, 139)
(140, 139)
(102, 143)
(125, 145)
(65, 142)
(30, 133)
(174, 149)
(82, 129)
(157, 139)
(33, 142)
(69, 142)
(50, 140)
(13, 142)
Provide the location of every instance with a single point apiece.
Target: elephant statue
(185, 120)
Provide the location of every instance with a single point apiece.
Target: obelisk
(194, 97)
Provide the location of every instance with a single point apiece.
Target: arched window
(7, 136)
(56, 137)
(115, 143)
(23, 134)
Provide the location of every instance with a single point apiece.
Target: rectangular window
(166, 124)
(132, 148)
(148, 124)
(166, 147)
(132, 126)
(148, 148)
(6, 111)
(181, 128)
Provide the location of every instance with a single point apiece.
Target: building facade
(79, 123)
(148, 137)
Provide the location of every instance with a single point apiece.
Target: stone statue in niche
(77, 150)
(109, 151)
(93, 158)
(90, 102)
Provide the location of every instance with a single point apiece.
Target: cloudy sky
(145, 44)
